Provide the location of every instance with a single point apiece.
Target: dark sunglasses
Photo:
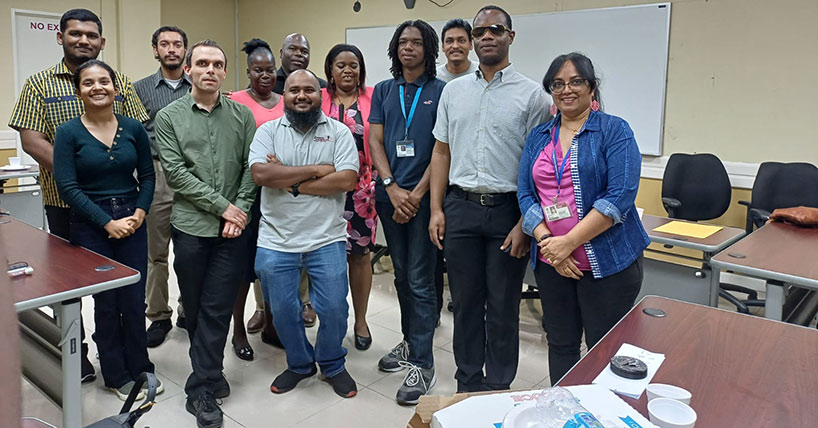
(496, 29)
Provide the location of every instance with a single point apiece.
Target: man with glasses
(482, 123)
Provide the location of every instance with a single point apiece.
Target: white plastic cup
(669, 413)
(663, 390)
(15, 161)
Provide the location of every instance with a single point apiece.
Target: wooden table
(671, 278)
(63, 273)
(779, 253)
(743, 371)
(31, 171)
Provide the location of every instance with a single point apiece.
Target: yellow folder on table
(692, 230)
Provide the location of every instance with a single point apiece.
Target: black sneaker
(222, 388)
(207, 411)
(287, 380)
(157, 332)
(343, 384)
(417, 382)
(391, 362)
(180, 322)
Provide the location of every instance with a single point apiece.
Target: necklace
(581, 123)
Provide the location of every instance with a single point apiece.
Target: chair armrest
(745, 203)
(759, 216)
(670, 205)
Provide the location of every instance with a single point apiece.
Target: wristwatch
(387, 181)
(295, 189)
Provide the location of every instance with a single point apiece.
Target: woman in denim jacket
(578, 178)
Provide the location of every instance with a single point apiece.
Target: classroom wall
(721, 54)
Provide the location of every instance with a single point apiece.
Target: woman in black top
(95, 156)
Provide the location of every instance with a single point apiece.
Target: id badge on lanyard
(557, 210)
(405, 147)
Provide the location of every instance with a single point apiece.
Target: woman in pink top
(348, 100)
(266, 106)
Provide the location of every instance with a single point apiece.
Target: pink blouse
(545, 180)
(260, 113)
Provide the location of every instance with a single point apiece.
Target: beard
(303, 121)
(166, 65)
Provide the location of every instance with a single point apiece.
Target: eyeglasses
(559, 85)
(496, 29)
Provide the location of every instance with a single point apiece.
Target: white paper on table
(632, 388)
(611, 410)
(640, 211)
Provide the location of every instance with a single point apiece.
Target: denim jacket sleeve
(624, 163)
(526, 192)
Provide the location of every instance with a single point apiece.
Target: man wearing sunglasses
(482, 123)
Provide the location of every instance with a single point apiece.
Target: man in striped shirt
(49, 99)
(156, 91)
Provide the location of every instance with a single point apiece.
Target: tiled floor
(312, 403)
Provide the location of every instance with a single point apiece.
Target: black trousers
(208, 271)
(591, 305)
(486, 285)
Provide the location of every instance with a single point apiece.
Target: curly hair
(430, 48)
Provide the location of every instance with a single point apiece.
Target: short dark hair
(252, 45)
(207, 42)
(167, 29)
(91, 63)
(430, 48)
(334, 52)
(497, 8)
(456, 23)
(83, 15)
(584, 67)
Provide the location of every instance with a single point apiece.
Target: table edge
(764, 274)
(87, 290)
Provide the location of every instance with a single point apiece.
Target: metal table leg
(715, 274)
(774, 303)
(69, 316)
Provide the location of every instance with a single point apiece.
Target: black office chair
(695, 187)
(777, 185)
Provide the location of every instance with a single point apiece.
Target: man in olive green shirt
(203, 140)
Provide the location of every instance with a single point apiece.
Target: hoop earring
(553, 110)
(595, 105)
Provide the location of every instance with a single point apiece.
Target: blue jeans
(414, 258)
(119, 314)
(279, 273)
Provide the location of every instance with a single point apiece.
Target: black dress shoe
(244, 352)
(363, 343)
(271, 340)
(157, 332)
(180, 322)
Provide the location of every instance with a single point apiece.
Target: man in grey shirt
(306, 163)
(156, 91)
(456, 43)
(482, 123)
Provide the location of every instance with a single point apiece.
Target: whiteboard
(628, 45)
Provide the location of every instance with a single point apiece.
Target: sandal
(245, 353)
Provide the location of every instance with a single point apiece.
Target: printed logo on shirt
(428, 102)
(326, 139)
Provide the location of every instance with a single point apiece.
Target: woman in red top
(348, 100)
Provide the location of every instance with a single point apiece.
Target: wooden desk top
(777, 251)
(61, 271)
(712, 243)
(743, 371)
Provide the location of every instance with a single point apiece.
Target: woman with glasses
(578, 178)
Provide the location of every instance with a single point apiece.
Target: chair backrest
(700, 182)
(785, 185)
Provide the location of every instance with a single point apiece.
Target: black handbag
(127, 418)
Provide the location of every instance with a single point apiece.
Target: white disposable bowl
(669, 413)
(662, 390)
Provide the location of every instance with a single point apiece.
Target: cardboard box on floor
(428, 404)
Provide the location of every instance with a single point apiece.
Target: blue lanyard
(408, 119)
(555, 138)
